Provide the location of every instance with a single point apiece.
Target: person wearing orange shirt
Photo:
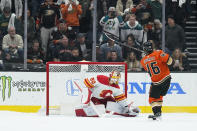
(71, 13)
(156, 63)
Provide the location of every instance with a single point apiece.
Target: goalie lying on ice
(101, 94)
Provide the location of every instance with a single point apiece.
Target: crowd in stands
(61, 30)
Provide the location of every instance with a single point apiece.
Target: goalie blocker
(105, 95)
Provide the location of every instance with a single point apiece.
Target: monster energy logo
(6, 83)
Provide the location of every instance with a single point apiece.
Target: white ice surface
(13, 121)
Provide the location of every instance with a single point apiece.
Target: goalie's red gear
(97, 101)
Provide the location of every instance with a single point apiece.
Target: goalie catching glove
(117, 109)
(131, 110)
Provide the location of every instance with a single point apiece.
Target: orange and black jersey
(156, 65)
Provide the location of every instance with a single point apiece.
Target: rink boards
(26, 91)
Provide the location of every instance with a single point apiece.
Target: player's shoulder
(161, 53)
(103, 79)
(157, 53)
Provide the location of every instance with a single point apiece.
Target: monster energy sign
(6, 83)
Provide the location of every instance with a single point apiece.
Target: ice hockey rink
(14, 121)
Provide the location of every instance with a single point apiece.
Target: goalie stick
(123, 43)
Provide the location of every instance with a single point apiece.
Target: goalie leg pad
(119, 110)
(114, 107)
(80, 112)
(88, 111)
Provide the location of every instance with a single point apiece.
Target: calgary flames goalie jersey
(100, 87)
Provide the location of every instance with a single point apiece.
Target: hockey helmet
(115, 76)
(148, 47)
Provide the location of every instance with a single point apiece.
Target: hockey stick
(91, 103)
(123, 43)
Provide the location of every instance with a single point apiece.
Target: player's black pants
(158, 91)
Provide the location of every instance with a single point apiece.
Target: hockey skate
(156, 116)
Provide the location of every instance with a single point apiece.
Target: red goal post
(61, 74)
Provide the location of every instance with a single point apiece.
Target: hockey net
(62, 93)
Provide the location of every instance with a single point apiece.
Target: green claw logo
(6, 81)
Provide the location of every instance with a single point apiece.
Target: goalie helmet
(115, 76)
(148, 47)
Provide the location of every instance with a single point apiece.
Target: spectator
(75, 55)
(4, 22)
(157, 32)
(132, 63)
(83, 45)
(35, 53)
(175, 36)
(13, 46)
(47, 17)
(60, 32)
(122, 5)
(63, 51)
(126, 15)
(16, 7)
(71, 13)
(98, 54)
(133, 27)
(144, 13)
(148, 30)
(132, 43)
(111, 3)
(102, 8)
(34, 7)
(108, 47)
(181, 61)
(157, 9)
(85, 18)
(56, 38)
(31, 29)
(113, 57)
(179, 9)
(111, 24)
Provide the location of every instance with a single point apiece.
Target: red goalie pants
(104, 101)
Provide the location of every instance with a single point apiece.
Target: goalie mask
(114, 77)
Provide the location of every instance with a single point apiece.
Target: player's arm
(170, 61)
(90, 82)
(166, 58)
(86, 93)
